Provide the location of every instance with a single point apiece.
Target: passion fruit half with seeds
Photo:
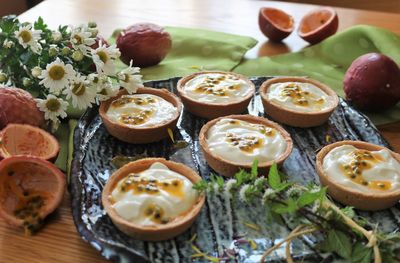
(30, 189)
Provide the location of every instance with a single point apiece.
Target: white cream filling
(272, 144)
(155, 112)
(317, 99)
(133, 206)
(387, 170)
(227, 90)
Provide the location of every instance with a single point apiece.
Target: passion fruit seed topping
(244, 142)
(209, 85)
(156, 214)
(363, 160)
(138, 101)
(299, 96)
(133, 182)
(135, 118)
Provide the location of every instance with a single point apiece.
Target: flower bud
(36, 71)
(8, 44)
(92, 24)
(56, 36)
(94, 32)
(26, 82)
(3, 77)
(53, 51)
(65, 51)
(77, 55)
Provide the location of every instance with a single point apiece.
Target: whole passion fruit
(372, 82)
(18, 106)
(145, 43)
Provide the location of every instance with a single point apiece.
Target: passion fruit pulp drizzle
(138, 185)
(209, 86)
(361, 161)
(138, 117)
(299, 96)
(248, 143)
(29, 204)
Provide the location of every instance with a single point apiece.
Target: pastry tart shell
(292, 117)
(370, 201)
(141, 135)
(228, 168)
(211, 111)
(156, 232)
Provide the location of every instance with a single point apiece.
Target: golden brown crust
(227, 168)
(158, 232)
(294, 118)
(140, 135)
(56, 191)
(211, 111)
(365, 201)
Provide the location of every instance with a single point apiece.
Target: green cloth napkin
(194, 49)
(329, 60)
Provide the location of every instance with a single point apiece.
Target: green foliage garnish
(309, 210)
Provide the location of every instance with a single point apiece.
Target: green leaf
(361, 253)
(254, 169)
(9, 24)
(339, 243)
(289, 207)
(241, 177)
(348, 211)
(39, 24)
(307, 198)
(274, 180)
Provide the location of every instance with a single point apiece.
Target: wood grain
(59, 241)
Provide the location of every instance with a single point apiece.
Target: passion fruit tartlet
(30, 189)
(142, 117)
(298, 101)
(24, 139)
(152, 199)
(212, 94)
(233, 142)
(360, 174)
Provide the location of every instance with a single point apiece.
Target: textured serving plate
(222, 220)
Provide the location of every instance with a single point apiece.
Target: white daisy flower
(242, 192)
(81, 38)
(27, 37)
(80, 92)
(52, 107)
(267, 194)
(56, 76)
(103, 57)
(104, 86)
(8, 43)
(56, 36)
(130, 79)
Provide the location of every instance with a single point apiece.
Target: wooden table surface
(59, 241)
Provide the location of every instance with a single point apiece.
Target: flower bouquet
(68, 68)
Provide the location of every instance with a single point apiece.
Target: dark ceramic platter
(221, 219)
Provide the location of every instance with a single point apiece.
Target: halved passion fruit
(24, 139)
(30, 189)
(318, 25)
(275, 23)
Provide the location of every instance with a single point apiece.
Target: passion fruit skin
(271, 31)
(324, 32)
(372, 82)
(145, 43)
(18, 106)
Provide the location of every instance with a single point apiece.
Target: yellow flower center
(78, 39)
(103, 56)
(26, 36)
(53, 105)
(78, 89)
(56, 72)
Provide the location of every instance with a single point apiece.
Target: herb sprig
(309, 210)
